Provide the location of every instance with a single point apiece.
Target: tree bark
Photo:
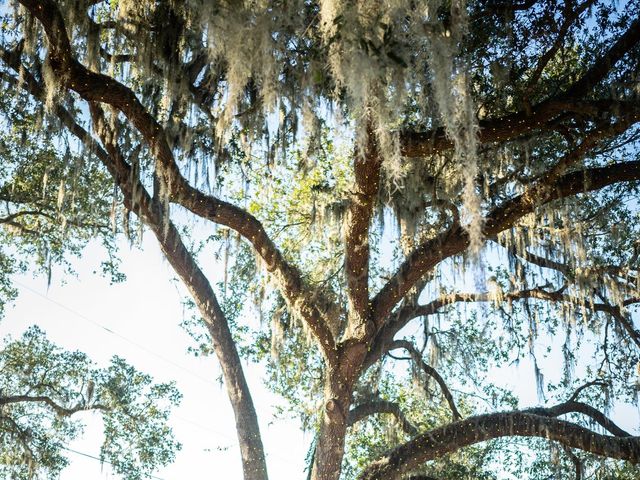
(152, 213)
(450, 438)
(333, 429)
(254, 464)
(366, 168)
(338, 397)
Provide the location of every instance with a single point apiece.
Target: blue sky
(141, 320)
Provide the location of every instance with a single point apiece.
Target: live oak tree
(43, 391)
(371, 170)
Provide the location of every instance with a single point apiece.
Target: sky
(139, 321)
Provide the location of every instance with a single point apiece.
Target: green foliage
(53, 200)
(44, 389)
(265, 105)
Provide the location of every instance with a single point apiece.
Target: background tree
(501, 139)
(42, 391)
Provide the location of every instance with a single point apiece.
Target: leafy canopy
(455, 180)
(43, 390)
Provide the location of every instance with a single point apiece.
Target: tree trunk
(338, 395)
(253, 459)
(333, 429)
(152, 214)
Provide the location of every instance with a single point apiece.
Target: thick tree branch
(367, 166)
(288, 277)
(384, 339)
(56, 407)
(374, 407)
(499, 7)
(424, 258)
(96, 87)
(137, 199)
(570, 184)
(573, 406)
(420, 144)
(450, 438)
(152, 212)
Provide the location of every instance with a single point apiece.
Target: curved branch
(535, 259)
(96, 87)
(154, 216)
(569, 19)
(138, 200)
(429, 254)
(12, 216)
(571, 406)
(570, 184)
(365, 410)
(472, 430)
(565, 269)
(23, 437)
(581, 388)
(419, 262)
(420, 144)
(59, 409)
(384, 339)
(430, 371)
(625, 323)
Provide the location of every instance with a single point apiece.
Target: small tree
(42, 391)
(494, 135)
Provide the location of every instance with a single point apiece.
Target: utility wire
(118, 335)
(100, 460)
(132, 342)
(150, 352)
(137, 345)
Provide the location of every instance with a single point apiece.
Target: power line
(137, 345)
(150, 352)
(116, 334)
(234, 442)
(207, 429)
(101, 460)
